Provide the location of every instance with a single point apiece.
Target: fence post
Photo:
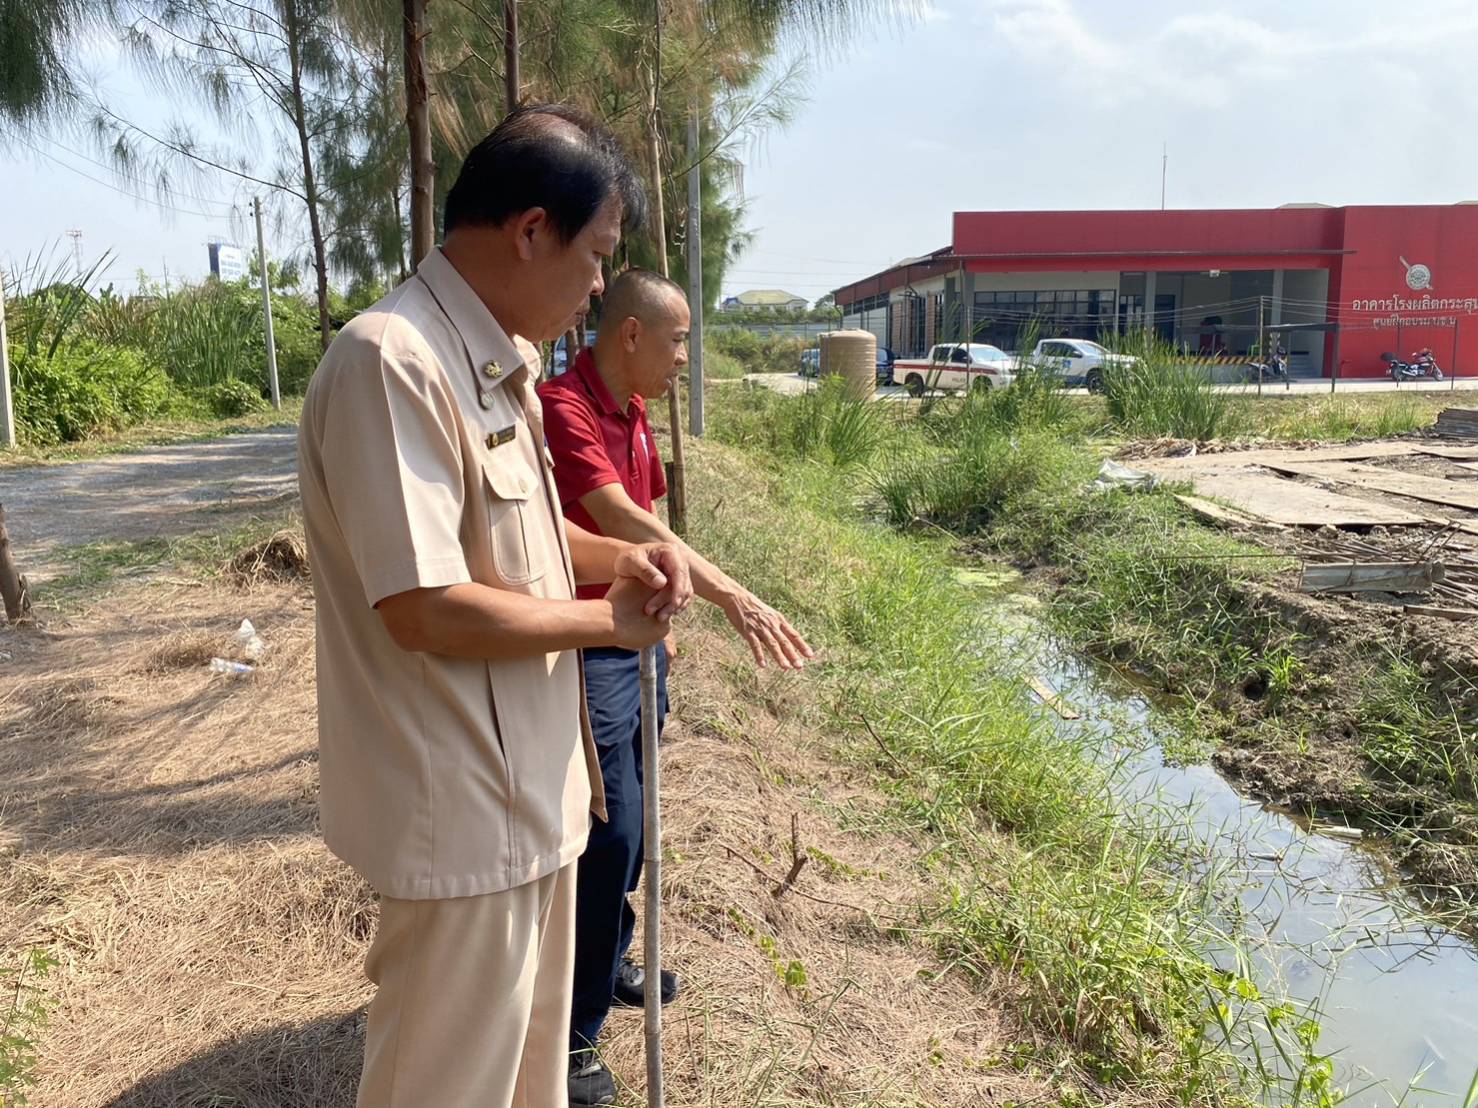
(1453, 387)
(1262, 345)
(7, 408)
(267, 307)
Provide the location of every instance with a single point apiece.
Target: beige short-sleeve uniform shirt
(422, 464)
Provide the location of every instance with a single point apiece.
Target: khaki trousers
(473, 1006)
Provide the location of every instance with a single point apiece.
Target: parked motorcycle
(1421, 364)
(1274, 370)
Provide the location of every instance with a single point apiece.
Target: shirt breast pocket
(517, 547)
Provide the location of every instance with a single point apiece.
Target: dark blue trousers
(612, 861)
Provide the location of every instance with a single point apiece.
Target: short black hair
(636, 292)
(548, 156)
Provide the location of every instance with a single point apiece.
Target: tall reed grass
(1038, 868)
(1151, 389)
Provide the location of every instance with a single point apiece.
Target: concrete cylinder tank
(852, 356)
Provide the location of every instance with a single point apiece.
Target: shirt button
(485, 399)
(493, 369)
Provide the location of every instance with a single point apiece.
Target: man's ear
(526, 228)
(630, 333)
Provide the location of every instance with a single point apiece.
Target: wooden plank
(1299, 505)
(1217, 513)
(1398, 577)
(1175, 467)
(1051, 698)
(1434, 490)
(1456, 453)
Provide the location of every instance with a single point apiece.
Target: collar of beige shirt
(496, 358)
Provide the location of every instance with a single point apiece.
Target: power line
(134, 177)
(121, 191)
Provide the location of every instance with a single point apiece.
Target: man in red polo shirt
(608, 473)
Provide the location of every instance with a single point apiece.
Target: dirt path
(164, 491)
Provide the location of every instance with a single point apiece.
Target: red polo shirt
(595, 443)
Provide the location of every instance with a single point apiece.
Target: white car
(1078, 362)
(956, 365)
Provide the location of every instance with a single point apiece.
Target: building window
(999, 317)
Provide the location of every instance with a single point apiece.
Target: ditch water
(1327, 915)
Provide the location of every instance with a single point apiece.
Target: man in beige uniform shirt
(457, 770)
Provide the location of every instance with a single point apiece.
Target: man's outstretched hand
(766, 631)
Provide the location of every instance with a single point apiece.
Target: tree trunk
(13, 588)
(418, 122)
(512, 90)
(310, 186)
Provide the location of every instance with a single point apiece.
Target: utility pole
(7, 407)
(1164, 171)
(695, 277)
(75, 234)
(267, 306)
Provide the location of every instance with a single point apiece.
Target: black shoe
(591, 1084)
(631, 982)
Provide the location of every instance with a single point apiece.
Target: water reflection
(1398, 992)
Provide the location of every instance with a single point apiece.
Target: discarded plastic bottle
(235, 669)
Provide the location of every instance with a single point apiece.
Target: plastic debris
(234, 669)
(251, 643)
(1112, 475)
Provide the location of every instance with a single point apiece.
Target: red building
(1339, 285)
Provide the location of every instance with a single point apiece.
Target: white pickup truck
(956, 365)
(1078, 363)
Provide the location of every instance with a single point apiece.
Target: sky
(972, 105)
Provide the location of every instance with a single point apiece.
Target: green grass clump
(1163, 393)
(1039, 869)
(23, 1013)
(1336, 418)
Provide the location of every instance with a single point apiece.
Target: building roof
(765, 298)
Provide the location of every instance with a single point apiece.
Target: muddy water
(1398, 994)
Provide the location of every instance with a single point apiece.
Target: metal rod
(1450, 388)
(652, 862)
(267, 307)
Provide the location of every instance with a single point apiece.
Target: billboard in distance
(227, 262)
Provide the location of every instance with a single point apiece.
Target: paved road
(794, 383)
(168, 490)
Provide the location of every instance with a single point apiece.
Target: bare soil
(159, 835)
(162, 491)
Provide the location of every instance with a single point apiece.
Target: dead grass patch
(161, 839)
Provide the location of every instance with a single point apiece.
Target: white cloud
(1208, 59)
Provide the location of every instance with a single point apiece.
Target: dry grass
(158, 834)
(281, 559)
